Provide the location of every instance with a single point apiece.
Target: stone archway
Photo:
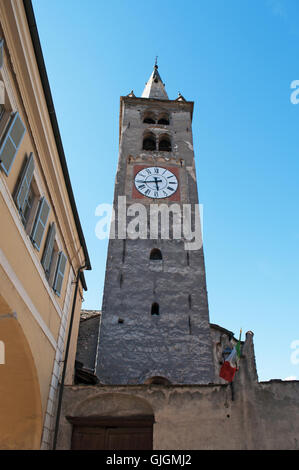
(20, 401)
(113, 404)
(112, 421)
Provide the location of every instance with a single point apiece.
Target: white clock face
(156, 182)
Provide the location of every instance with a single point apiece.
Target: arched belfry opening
(164, 143)
(149, 118)
(155, 310)
(156, 254)
(163, 119)
(149, 141)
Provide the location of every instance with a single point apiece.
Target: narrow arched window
(155, 309)
(157, 380)
(164, 143)
(149, 118)
(163, 119)
(156, 254)
(149, 142)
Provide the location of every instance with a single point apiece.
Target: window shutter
(11, 142)
(59, 273)
(23, 188)
(1, 54)
(48, 251)
(40, 223)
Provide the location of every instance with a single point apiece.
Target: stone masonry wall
(248, 415)
(133, 344)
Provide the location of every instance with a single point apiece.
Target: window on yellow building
(40, 223)
(48, 254)
(24, 194)
(33, 209)
(59, 274)
(12, 128)
(28, 206)
(13, 136)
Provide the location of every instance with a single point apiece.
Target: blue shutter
(11, 142)
(59, 275)
(40, 223)
(24, 185)
(48, 251)
(1, 55)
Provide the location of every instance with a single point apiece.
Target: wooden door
(115, 435)
(91, 438)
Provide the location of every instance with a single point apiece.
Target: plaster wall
(199, 416)
(245, 416)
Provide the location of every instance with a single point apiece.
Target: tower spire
(154, 88)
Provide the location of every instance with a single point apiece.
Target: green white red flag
(230, 365)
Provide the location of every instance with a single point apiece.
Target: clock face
(156, 182)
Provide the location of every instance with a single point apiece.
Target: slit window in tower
(124, 251)
(155, 309)
(156, 254)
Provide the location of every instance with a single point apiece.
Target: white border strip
(13, 211)
(25, 297)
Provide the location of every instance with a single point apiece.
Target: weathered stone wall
(198, 416)
(88, 339)
(247, 415)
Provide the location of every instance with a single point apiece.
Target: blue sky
(236, 60)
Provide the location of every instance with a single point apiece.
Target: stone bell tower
(155, 318)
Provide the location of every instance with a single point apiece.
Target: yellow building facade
(42, 251)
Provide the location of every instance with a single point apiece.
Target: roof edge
(52, 114)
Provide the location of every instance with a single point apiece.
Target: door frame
(141, 421)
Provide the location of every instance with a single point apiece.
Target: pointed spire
(131, 95)
(180, 97)
(154, 88)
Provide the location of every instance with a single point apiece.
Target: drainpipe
(66, 358)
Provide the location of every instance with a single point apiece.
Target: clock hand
(156, 181)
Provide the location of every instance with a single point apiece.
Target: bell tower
(155, 318)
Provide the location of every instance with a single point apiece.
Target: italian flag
(229, 367)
